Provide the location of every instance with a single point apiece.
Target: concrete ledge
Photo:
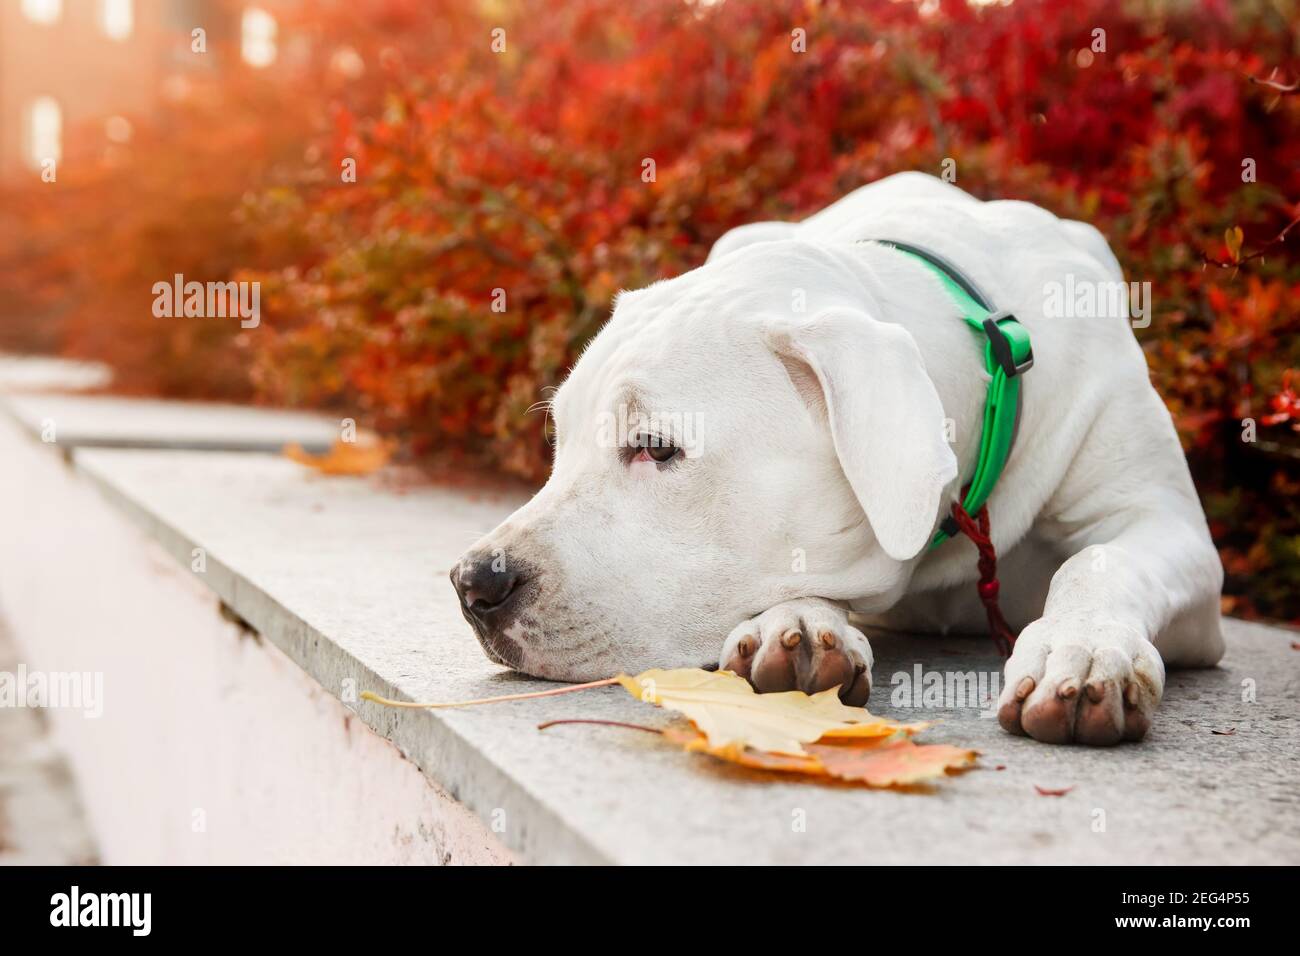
(347, 582)
(350, 581)
(72, 421)
(20, 373)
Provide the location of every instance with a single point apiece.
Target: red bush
(522, 171)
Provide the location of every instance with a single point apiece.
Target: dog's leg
(1090, 670)
(806, 644)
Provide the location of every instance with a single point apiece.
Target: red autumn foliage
(521, 170)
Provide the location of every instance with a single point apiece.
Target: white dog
(749, 452)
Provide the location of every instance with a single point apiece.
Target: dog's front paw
(1068, 682)
(805, 645)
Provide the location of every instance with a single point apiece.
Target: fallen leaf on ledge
(729, 712)
(789, 732)
(793, 732)
(344, 458)
(1224, 733)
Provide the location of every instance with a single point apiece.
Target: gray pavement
(41, 819)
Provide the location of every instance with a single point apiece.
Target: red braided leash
(977, 529)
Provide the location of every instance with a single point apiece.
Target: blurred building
(72, 72)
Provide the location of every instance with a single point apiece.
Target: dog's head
(717, 452)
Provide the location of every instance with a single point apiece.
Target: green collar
(1007, 355)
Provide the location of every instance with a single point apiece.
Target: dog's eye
(653, 448)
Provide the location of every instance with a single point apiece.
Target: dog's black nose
(485, 584)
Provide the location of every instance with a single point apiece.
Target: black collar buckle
(1001, 342)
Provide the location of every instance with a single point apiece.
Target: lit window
(42, 11)
(44, 131)
(117, 17)
(257, 37)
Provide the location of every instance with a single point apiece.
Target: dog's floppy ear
(884, 414)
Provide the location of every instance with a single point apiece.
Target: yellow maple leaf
(792, 732)
(729, 713)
